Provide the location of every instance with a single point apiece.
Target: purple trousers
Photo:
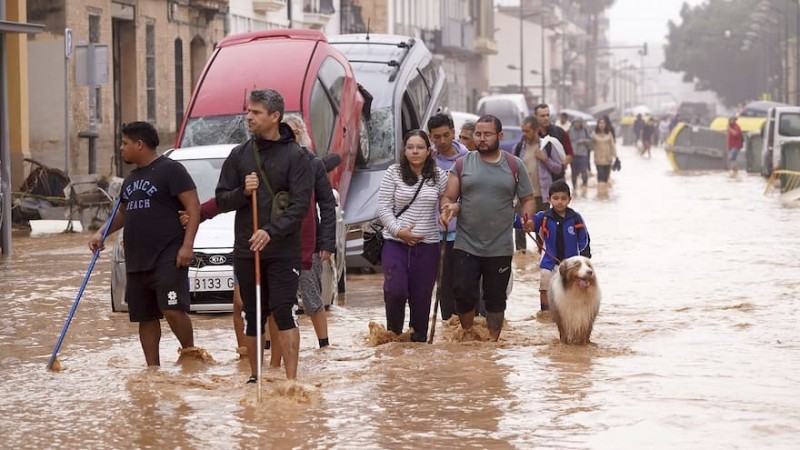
(409, 274)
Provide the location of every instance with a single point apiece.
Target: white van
(511, 109)
(782, 126)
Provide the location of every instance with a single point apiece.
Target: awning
(19, 27)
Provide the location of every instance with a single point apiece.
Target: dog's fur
(574, 298)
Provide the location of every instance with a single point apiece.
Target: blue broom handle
(83, 286)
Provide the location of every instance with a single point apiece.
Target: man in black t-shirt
(158, 250)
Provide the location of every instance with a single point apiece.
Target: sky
(637, 21)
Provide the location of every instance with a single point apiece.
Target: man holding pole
(158, 250)
(272, 166)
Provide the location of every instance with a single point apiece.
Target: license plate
(210, 283)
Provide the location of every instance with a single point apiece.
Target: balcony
(485, 45)
(317, 13)
(266, 6)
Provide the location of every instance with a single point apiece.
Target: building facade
(149, 55)
(543, 54)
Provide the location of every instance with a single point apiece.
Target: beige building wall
(198, 29)
(17, 70)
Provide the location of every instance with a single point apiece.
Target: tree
(709, 47)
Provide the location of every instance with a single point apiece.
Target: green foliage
(592, 6)
(708, 47)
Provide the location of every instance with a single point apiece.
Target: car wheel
(362, 157)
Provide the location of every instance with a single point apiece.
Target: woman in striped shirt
(410, 256)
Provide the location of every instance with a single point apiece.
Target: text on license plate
(210, 283)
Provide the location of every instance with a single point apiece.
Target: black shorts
(468, 270)
(150, 292)
(279, 282)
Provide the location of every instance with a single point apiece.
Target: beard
(490, 148)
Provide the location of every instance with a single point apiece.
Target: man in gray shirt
(481, 191)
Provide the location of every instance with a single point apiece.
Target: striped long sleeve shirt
(395, 194)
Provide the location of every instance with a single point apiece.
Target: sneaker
(252, 380)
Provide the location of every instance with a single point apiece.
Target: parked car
(511, 109)
(407, 86)
(211, 273)
(315, 79)
(782, 126)
(317, 84)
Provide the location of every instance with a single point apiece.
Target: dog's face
(577, 271)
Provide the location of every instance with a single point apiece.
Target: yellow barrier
(747, 124)
(789, 180)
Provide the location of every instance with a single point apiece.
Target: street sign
(99, 61)
(68, 42)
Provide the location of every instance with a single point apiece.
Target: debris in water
(56, 366)
(196, 353)
(378, 335)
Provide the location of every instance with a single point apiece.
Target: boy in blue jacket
(563, 233)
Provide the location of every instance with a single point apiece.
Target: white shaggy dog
(574, 299)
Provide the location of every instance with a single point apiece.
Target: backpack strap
(518, 148)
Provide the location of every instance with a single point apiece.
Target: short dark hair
(271, 99)
(440, 120)
(559, 186)
(531, 120)
(469, 126)
(540, 106)
(141, 131)
(488, 118)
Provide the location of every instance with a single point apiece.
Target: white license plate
(210, 283)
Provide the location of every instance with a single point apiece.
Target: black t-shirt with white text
(153, 233)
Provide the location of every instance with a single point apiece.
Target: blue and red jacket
(563, 236)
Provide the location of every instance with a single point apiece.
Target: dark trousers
(409, 274)
(603, 172)
(580, 166)
(472, 272)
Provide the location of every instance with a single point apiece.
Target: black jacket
(288, 169)
(323, 196)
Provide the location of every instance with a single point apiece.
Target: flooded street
(696, 347)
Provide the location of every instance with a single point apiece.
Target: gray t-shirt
(486, 217)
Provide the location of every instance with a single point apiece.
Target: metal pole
(92, 82)
(521, 54)
(543, 86)
(5, 156)
(67, 53)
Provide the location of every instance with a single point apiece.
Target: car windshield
(213, 130)
(381, 137)
(205, 173)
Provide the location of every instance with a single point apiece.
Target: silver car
(211, 273)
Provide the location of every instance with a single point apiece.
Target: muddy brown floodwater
(696, 346)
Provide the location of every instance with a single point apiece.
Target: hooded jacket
(563, 236)
(287, 168)
(446, 163)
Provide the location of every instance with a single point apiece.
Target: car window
(332, 74)
(323, 118)
(205, 173)
(381, 136)
(789, 125)
(410, 118)
(418, 93)
(211, 130)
